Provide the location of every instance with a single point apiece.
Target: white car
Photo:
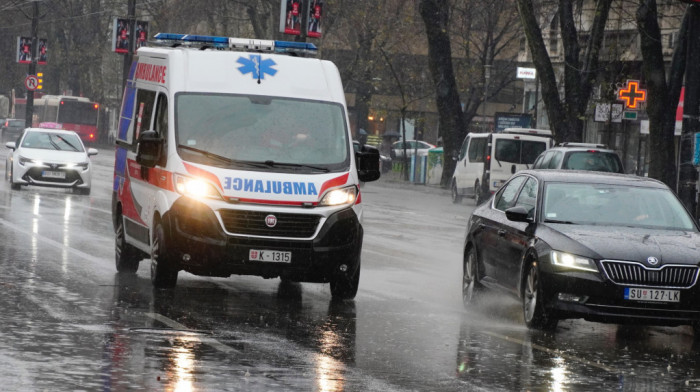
(411, 146)
(49, 157)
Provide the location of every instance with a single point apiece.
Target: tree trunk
(435, 16)
(662, 101)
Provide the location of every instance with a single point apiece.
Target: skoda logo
(652, 260)
(271, 221)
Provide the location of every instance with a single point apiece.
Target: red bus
(77, 114)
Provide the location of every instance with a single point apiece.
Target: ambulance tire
(344, 286)
(163, 274)
(126, 256)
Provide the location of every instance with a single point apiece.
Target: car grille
(676, 276)
(253, 223)
(35, 174)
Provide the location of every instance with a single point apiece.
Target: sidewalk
(393, 179)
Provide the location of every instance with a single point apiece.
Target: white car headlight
(195, 187)
(23, 161)
(567, 260)
(340, 196)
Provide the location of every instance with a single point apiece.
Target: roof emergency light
(259, 45)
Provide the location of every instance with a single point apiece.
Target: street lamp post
(487, 76)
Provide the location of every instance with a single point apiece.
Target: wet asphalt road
(70, 323)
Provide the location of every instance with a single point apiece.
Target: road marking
(553, 352)
(210, 341)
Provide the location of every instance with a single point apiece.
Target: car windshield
(592, 160)
(245, 129)
(52, 141)
(617, 205)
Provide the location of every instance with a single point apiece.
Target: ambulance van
(234, 156)
(487, 160)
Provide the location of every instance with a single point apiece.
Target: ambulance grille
(253, 223)
(674, 276)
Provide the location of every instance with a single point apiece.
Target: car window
(506, 198)
(528, 196)
(556, 160)
(477, 150)
(463, 150)
(531, 150)
(16, 123)
(593, 161)
(615, 205)
(543, 160)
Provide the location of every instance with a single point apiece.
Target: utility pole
(29, 111)
(129, 57)
(687, 190)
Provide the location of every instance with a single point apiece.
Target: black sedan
(605, 247)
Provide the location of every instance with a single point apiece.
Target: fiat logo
(271, 221)
(652, 260)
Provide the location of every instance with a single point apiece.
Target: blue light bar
(240, 43)
(195, 39)
(294, 46)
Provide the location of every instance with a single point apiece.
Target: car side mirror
(367, 160)
(149, 149)
(518, 214)
(92, 151)
(11, 145)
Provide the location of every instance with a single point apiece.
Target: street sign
(526, 73)
(632, 95)
(31, 82)
(627, 115)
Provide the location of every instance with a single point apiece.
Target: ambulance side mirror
(367, 160)
(149, 149)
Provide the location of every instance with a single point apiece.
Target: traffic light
(40, 77)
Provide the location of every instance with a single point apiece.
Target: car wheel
(344, 286)
(126, 256)
(534, 312)
(470, 279)
(478, 195)
(456, 197)
(13, 185)
(163, 273)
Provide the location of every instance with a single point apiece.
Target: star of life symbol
(257, 66)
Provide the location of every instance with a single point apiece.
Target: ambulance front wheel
(344, 286)
(163, 273)
(126, 256)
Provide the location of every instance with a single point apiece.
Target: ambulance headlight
(340, 196)
(195, 187)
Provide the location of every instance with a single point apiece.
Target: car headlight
(195, 187)
(23, 161)
(337, 197)
(567, 260)
(81, 165)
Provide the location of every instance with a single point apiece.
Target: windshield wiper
(207, 154)
(559, 221)
(68, 143)
(284, 164)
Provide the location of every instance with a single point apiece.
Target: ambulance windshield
(286, 134)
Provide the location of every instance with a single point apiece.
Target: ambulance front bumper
(201, 246)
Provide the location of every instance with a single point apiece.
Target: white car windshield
(230, 130)
(616, 205)
(52, 141)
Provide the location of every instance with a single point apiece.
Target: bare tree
(566, 115)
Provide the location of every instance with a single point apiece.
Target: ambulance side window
(145, 100)
(160, 125)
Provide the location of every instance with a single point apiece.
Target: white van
(235, 157)
(487, 160)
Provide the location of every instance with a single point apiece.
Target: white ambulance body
(238, 162)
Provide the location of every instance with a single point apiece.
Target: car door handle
(501, 233)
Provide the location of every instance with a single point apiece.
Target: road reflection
(186, 334)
